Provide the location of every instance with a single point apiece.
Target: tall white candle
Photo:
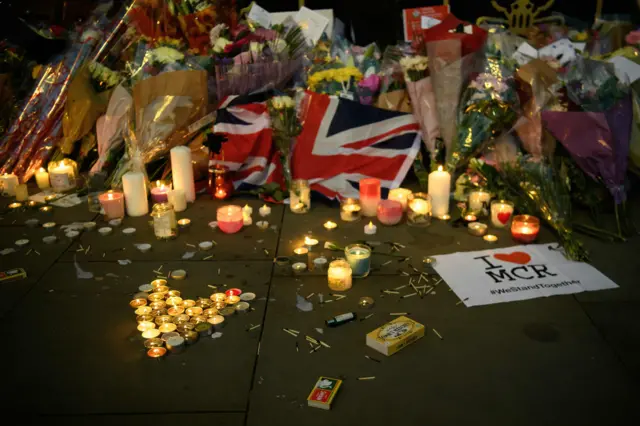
(182, 171)
(135, 194)
(9, 184)
(439, 189)
(177, 200)
(42, 178)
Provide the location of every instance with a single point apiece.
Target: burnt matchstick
(372, 359)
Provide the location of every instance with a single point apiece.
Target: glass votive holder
(419, 209)
(401, 195)
(350, 210)
(340, 275)
(525, 228)
(300, 196)
(479, 200)
(63, 175)
(501, 213)
(230, 219)
(390, 212)
(359, 258)
(112, 203)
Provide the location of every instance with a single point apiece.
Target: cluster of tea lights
(169, 323)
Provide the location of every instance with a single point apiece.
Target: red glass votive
(230, 219)
(389, 212)
(525, 228)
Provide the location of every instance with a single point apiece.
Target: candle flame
(370, 224)
(42, 169)
(307, 240)
(439, 168)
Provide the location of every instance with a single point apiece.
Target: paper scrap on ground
(69, 201)
(517, 273)
(303, 304)
(81, 274)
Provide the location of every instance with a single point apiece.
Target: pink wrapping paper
(423, 101)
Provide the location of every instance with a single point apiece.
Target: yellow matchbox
(395, 335)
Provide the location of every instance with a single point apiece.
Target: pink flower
(633, 37)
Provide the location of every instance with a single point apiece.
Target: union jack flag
(341, 143)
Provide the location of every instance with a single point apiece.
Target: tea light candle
(217, 321)
(389, 212)
(157, 305)
(151, 333)
(247, 220)
(264, 211)
(177, 199)
(50, 198)
(176, 344)
(156, 352)
(247, 210)
(188, 303)
(470, 218)
(299, 267)
(490, 238)
(45, 209)
(477, 229)
(158, 283)
(184, 223)
(310, 242)
(262, 225)
(49, 225)
(478, 199)
(369, 196)
(174, 301)
(242, 307)
(301, 253)
(401, 195)
(22, 192)
(175, 311)
(501, 212)
(350, 210)
(230, 219)
(233, 292)
(9, 182)
(233, 299)
(370, 229)
(104, 231)
(136, 303)
(218, 297)
(146, 325)
(167, 327)
(525, 228)
(32, 204)
(359, 258)
(115, 223)
(329, 225)
(419, 210)
(205, 245)
(194, 310)
(339, 275)
(210, 312)
(159, 192)
(439, 190)
(42, 179)
(143, 310)
(319, 263)
(14, 206)
(135, 194)
(163, 319)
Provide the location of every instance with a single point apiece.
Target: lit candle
(182, 171)
(246, 219)
(8, 183)
(151, 333)
(233, 292)
(419, 209)
(479, 200)
(136, 303)
(439, 190)
(194, 310)
(159, 192)
(163, 319)
(369, 196)
(501, 212)
(401, 195)
(177, 199)
(112, 203)
(158, 283)
(167, 327)
(302, 254)
(156, 352)
(389, 212)
(359, 258)
(370, 229)
(233, 299)
(175, 311)
(300, 196)
(42, 179)
(188, 303)
(62, 175)
(264, 211)
(470, 218)
(184, 223)
(247, 210)
(218, 297)
(262, 225)
(339, 275)
(22, 192)
(310, 243)
(299, 267)
(477, 229)
(217, 321)
(525, 228)
(14, 206)
(144, 310)
(146, 325)
(350, 210)
(230, 219)
(329, 225)
(174, 301)
(135, 194)
(210, 312)
(490, 238)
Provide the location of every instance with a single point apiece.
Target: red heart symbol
(503, 217)
(518, 257)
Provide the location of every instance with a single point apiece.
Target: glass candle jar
(350, 210)
(479, 201)
(300, 196)
(359, 258)
(339, 275)
(159, 191)
(419, 209)
(112, 203)
(62, 175)
(369, 196)
(230, 219)
(501, 212)
(165, 226)
(525, 228)
(220, 185)
(389, 212)
(401, 195)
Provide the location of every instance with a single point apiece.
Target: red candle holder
(230, 219)
(390, 212)
(525, 228)
(220, 184)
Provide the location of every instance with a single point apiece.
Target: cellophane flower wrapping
(488, 107)
(393, 88)
(285, 126)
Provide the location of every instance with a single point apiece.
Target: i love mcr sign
(517, 273)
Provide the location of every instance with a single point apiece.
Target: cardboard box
(395, 335)
(323, 392)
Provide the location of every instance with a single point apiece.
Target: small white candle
(329, 225)
(135, 194)
(42, 178)
(439, 189)
(310, 242)
(177, 200)
(9, 184)
(370, 229)
(501, 212)
(247, 210)
(401, 195)
(246, 219)
(182, 171)
(264, 210)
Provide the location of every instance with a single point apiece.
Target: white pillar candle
(439, 190)
(135, 194)
(182, 171)
(9, 184)
(401, 195)
(42, 179)
(177, 200)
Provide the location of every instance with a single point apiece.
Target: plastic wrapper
(393, 89)
(164, 107)
(109, 127)
(423, 102)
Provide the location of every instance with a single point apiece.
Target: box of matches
(395, 335)
(323, 393)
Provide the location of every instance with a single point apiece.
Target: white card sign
(564, 51)
(312, 23)
(517, 273)
(260, 16)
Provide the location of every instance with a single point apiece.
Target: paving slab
(248, 244)
(192, 419)
(60, 215)
(75, 348)
(527, 363)
(34, 264)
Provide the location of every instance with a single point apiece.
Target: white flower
(256, 47)
(282, 102)
(166, 55)
(288, 102)
(277, 46)
(215, 32)
(277, 102)
(220, 44)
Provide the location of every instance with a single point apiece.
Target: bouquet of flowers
(393, 90)
(286, 127)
